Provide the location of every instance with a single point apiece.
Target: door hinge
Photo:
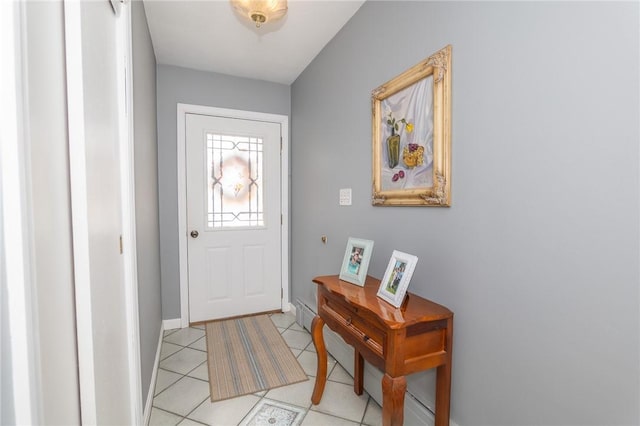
(280, 143)
(281, 293)
(121, 250)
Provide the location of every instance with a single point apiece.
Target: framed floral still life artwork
(411, 129)
(356, 261)
(395, 282)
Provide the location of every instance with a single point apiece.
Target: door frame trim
(81, 234)
(128, 194)
(283, 120)
(79, 214)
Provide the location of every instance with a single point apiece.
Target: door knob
(194, 234)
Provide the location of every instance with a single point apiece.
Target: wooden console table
(398, 341)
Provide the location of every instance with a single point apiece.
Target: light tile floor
(182, 387)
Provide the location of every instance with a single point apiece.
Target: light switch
(345, 197)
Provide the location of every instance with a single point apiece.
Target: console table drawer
(352, 319)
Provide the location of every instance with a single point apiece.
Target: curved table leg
(393, 389)
(321, 350)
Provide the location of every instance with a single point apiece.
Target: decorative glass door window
(235, 170)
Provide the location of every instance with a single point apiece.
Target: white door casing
(256, 288)
(97, 46)
(127, 187)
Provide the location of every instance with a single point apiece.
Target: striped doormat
(247, 355)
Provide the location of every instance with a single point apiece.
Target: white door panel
(233, 204)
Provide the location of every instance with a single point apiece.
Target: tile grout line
(182, 376)
(195, 408)
(170, 412)
(364, 413)
(176, 372)
(252, 407)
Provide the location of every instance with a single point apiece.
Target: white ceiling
(211, 36)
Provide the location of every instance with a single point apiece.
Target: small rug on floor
(247, 355)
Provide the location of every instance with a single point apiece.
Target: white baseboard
(154, 374)
(170, 324)
(289, 307)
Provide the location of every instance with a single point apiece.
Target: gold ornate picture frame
(411, 127)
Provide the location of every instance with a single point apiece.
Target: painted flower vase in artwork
(393, 149)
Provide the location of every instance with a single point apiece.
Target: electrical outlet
(345, 197)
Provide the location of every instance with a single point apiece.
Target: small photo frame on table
(356, 261)
(395, 282)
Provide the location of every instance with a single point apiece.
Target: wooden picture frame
(356, 261)
(411, 128)
(395, 282)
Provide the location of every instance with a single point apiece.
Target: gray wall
(539, 254)
(180, 85)
(146, 188)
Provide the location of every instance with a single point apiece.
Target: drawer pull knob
(365, 338)
(349, 321)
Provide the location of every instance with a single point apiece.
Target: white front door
(233, 216)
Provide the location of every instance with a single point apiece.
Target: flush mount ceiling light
(261, 11)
